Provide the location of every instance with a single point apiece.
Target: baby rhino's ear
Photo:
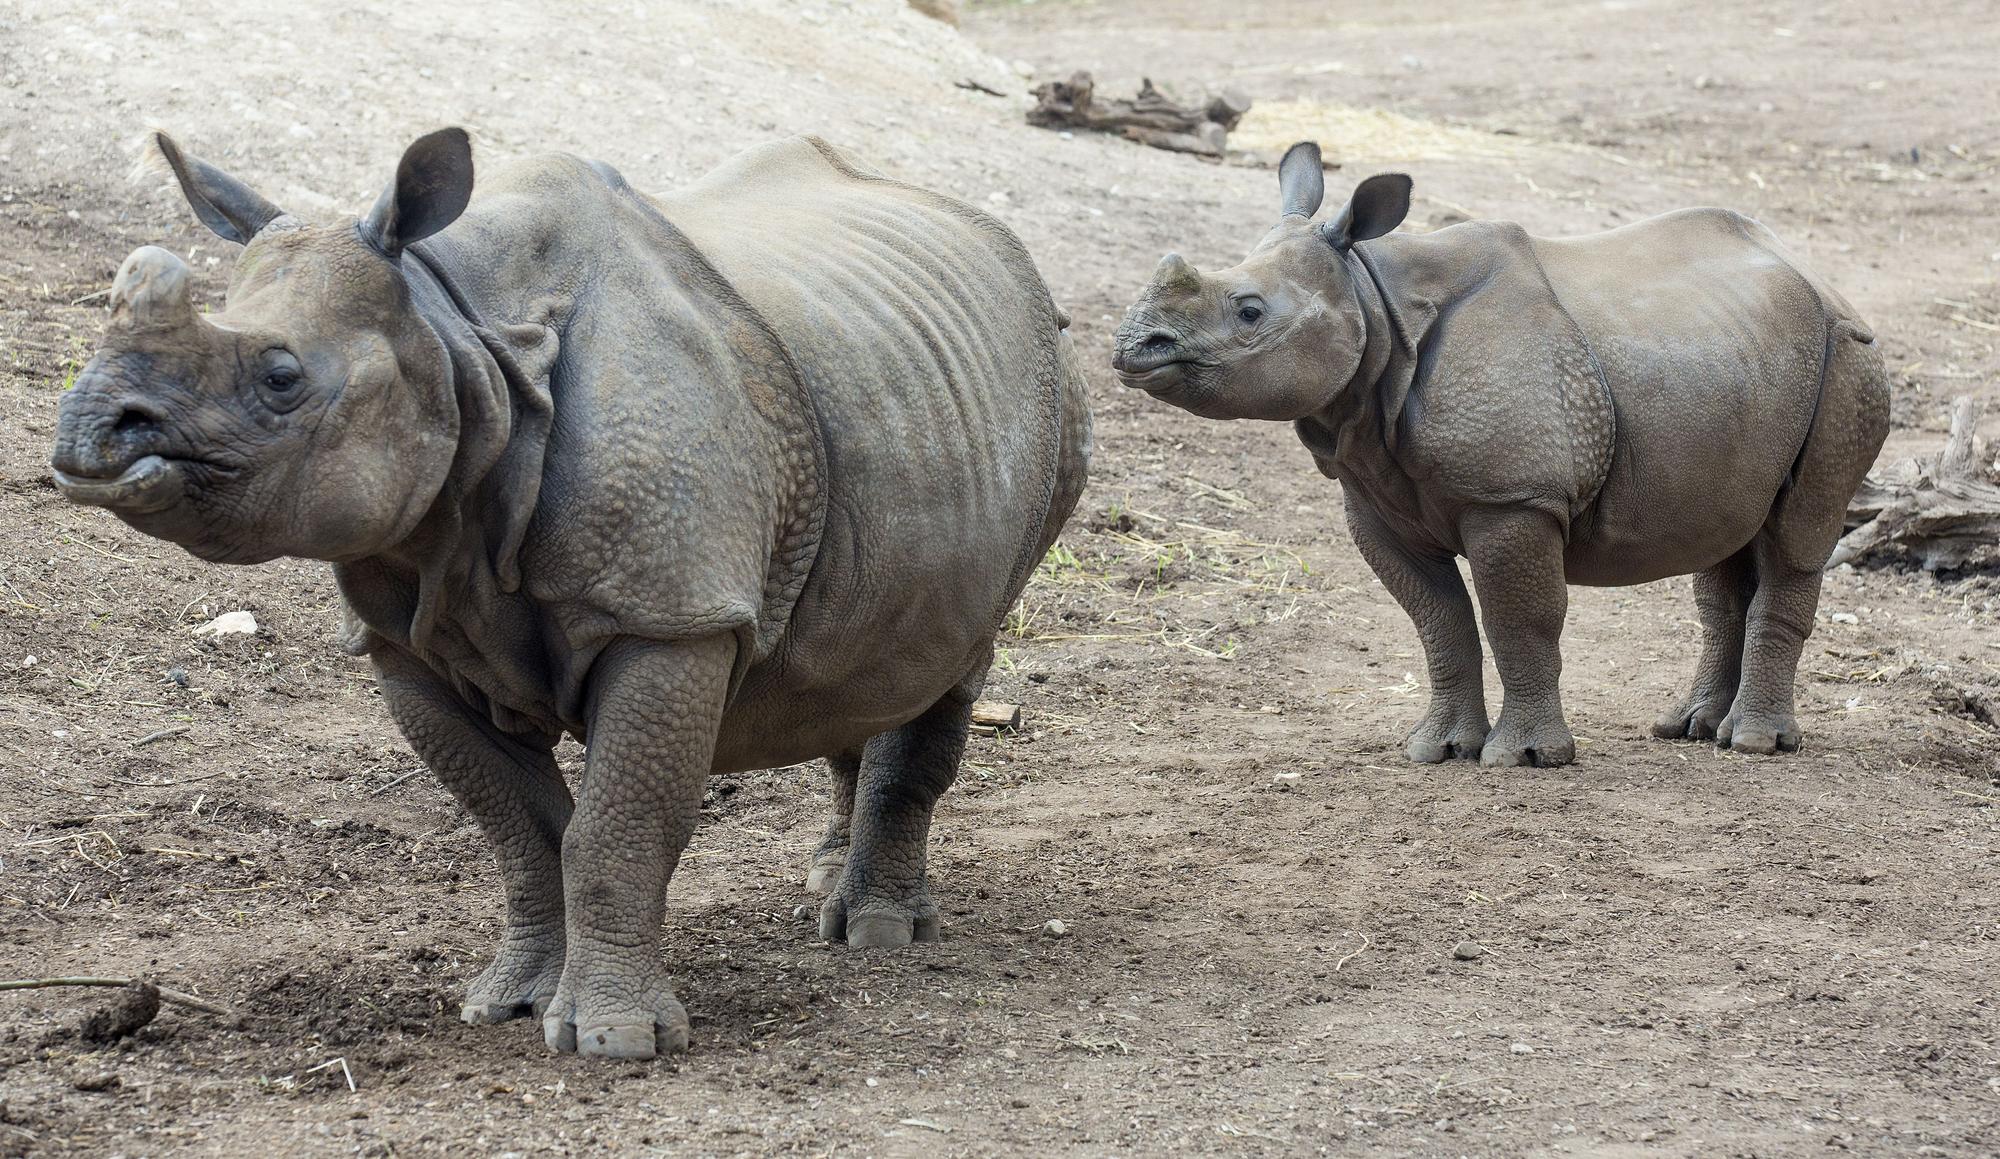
(1301, 184)
(1379, 205)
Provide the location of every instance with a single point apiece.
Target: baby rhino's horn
(153, 291)
(1175, 274)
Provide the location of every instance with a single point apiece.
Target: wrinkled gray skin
(1675, 396)
(729, 479)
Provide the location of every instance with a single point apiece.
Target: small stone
(1468, 951)
(1054, 928)
(95, 1083)
(1845, 618)
(178, 676)
(229, 624)
(1284, 782)
(1522, 1048)
(802, 912)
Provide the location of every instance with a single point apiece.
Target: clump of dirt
(131, 1009)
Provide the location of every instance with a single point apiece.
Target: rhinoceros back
(935, 360)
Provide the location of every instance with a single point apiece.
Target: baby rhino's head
(1278, 335)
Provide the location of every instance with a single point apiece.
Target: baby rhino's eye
(1249, 314)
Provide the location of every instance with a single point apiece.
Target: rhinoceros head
(1278, 335)
(311, 416)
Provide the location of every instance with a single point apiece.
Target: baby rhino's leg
(1722, 596)
(1517, 566)
(1428, 587)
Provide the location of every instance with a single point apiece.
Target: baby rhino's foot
(873, 921)
(1447, 734)
(622, 1007)
(1696, 718)
(1542, 745)
(522, 978)
(1758, 734)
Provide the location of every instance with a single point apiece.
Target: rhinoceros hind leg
(883, 898)
(1722, 596)
(1780, 618)
(829, 860)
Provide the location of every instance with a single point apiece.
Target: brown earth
(1685, 952)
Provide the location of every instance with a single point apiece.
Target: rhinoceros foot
(1448, 731)
(1696, 718)
(826, 869)
(1537, 744)
(878, 923)
(627, 1011)
(521, 980)
(1759, 734)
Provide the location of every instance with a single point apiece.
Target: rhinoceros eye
(279, 380)
(1249, 312)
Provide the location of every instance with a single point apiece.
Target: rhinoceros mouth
(151, 484)
(1161, 379)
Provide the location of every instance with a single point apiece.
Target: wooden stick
(995, 715)
(172, 997)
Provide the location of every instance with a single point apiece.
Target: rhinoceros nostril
(136, 418)
(1159, 340)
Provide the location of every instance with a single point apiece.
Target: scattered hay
(1344, 131)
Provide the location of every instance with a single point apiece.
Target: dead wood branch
(1943, 511)
(1149, 118)
(170, 997)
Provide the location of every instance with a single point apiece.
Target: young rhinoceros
(1674, 396)
(729, 479)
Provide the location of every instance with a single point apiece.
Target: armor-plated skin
(728, 479)
(1676, 396)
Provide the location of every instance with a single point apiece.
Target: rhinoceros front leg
(883, 899)
(654, 713)
(1428, 587)
(515, 792)
(1722, 596)
(1780, 618)
(830, 859)
(1517, 566)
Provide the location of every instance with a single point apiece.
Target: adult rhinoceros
(728, 479)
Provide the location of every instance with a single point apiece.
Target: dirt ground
(1686, 952)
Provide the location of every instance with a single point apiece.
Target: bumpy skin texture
(1675, 396)
(727, 479)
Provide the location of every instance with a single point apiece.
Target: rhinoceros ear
(1301, 181)
(1379, 205)
(232, 209)
(433, 184)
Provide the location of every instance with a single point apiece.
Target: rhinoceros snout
(1145, 351)
(109, 443)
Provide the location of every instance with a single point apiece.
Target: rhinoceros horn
(1175, 275)
(153, 292)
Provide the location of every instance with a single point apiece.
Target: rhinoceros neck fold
(1349, 431)
(463, 560)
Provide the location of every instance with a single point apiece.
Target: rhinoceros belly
(930, 350)
(1712, 344)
